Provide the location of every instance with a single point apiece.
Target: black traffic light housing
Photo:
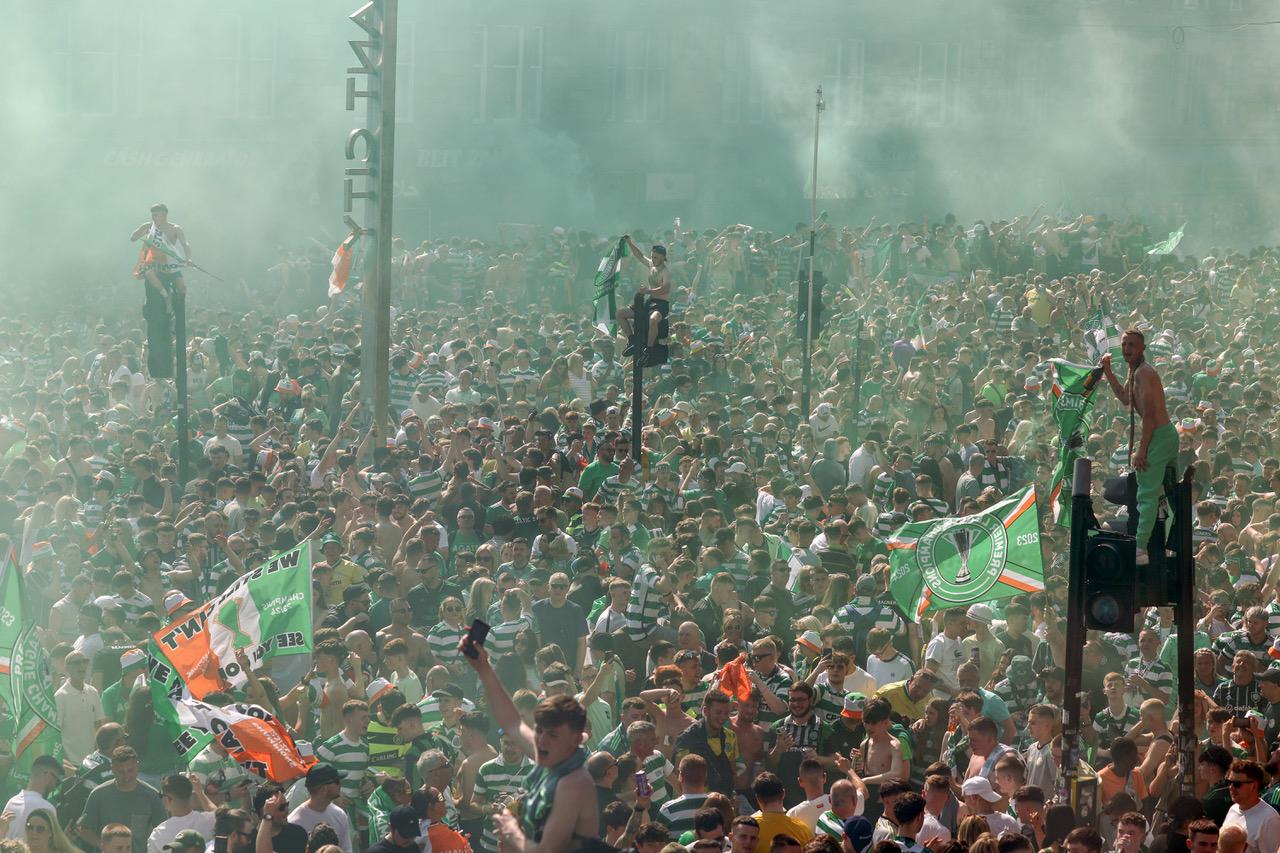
(802, 301)
(1110, 582)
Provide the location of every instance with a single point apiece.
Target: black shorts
(662, 306)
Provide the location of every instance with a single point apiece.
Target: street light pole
(807, 349)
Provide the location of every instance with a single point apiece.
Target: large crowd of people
(692, 642)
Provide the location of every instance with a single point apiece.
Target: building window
(239, 76)
(406, 41)
(1024, 86)
(743, 89)
(639, 75)
(842, 78)
(939, 73)
(508, 73)
(99, 72)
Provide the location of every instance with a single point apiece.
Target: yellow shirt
(896, 694)
(345, 574)
(775, 823)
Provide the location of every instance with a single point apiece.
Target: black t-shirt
(385, 845)
(292, 839)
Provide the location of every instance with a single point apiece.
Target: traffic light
(802, 301)
(1110, 581)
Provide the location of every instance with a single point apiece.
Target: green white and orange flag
(959, 561)
(251, 735)
(26, 680)
(267, 613)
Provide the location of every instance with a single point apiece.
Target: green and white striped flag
(1102, 336)
(958, 561)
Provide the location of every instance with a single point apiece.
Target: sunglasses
(1236, 783)
(453, 610)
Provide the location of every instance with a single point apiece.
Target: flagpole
(180, 389)
(807, 349)
(1081, 510)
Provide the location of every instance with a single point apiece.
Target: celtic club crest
(963, 558)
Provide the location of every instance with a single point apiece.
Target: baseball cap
(866, 585)
(322, 774)
(1271, 675)
(738, 468)
(979, 613)
(404, 822)
(978, 786)
(188, 839)
(858, 831)
(574, 492)
(811, 641)
(354, 591)
(42, 549)
(377, 688)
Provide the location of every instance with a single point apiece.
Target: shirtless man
(160, 268)
(1158, 447)
(750, 733)
(419, 649)
(473, 731)
(658, 292)
(880, 757)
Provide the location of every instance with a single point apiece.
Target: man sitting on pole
(1158, 449)
(658, 293)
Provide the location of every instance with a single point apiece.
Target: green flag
(607, 286)
(958, 561)
(1074, 386)
(1166, 247)
(26, 680)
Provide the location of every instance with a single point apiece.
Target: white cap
(978, 786)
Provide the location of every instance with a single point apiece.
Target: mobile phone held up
(477, 634)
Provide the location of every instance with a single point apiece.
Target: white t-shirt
(949, 655)
(1261, 825)
(898, 668)
(307, 818)
(809, 811)
(79, 712)
(201, 822)
(20, 804)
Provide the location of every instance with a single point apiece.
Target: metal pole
(180, 382)
(1081, 511)
(375, 331)
(1186, 626)
(857, 382)
(807, 349)
(641, 330)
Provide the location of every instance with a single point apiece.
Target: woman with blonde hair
(480, 599)
(971, 829)
(44, 835)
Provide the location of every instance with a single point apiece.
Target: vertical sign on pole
(374, 171)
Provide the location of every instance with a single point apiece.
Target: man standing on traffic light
(657, 294)
(1158, 448)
